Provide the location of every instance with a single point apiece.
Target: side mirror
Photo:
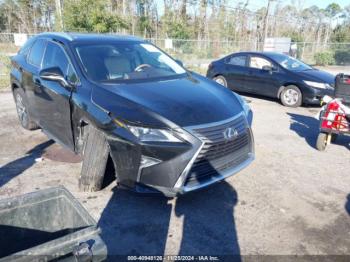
(267, 68)
(54, 74)
(270, 69)
(179, 62)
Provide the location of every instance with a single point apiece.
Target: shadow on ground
(18, 166)
(307, 127)
(139, 225)
(347, 205)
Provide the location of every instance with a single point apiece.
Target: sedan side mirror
(54, 74)
(269, 68)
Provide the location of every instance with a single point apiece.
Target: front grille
(218, 152)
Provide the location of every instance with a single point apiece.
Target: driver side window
(56, 57)
(259, 62)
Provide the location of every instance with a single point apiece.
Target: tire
(95, 157)
(22, 110)
(291, 96)
(321, 143)
(220, 80)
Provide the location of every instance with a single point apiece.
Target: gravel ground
(291, 200)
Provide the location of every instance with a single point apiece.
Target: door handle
(37, 82)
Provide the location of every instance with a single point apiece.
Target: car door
(30, 75)
(263, 76)
(53, 99)
(236, 71)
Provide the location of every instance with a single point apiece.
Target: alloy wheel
(21, 110)
(291, 97)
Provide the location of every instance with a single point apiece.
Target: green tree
(332, 10)
(91, 16)
(341, 34)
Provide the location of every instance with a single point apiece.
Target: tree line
(210, 20)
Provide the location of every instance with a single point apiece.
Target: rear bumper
(175, 174)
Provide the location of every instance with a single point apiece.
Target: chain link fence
(192, 51)
(197, 54)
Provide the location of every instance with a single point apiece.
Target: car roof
(265, 53)
(88, 37)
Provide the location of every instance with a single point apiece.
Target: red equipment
(335, 120)
(335, 116)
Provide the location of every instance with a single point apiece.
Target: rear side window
(237, 60)
(37, 52)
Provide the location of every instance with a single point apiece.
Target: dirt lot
(291, 200)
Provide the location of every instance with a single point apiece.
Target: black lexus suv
(121, 99)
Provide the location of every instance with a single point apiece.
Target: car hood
(184, 101)
(318, 76)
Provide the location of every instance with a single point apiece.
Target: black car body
(269, 74)
(168, 131)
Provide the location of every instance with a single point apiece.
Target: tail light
(331, 115)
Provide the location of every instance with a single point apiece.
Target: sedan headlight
(317, 84)
(145, 134)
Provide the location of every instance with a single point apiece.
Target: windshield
(290, 63)
(126, 61)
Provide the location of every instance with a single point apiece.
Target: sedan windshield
(290, 63)
(126, 61)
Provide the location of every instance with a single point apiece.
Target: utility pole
(266, 20)
(59, 13)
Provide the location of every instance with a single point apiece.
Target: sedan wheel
(291, 96)
(220, 80)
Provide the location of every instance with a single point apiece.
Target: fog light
(147, 161)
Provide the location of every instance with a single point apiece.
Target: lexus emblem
(230, 133)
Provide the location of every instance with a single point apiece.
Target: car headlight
(317, 84)
(145, 134)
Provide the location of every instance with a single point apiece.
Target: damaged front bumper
(208, 156)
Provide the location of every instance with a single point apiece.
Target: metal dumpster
(47, 225)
